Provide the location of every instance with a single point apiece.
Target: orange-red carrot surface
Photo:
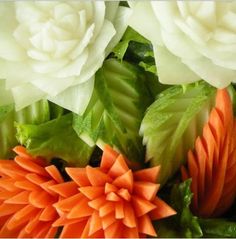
(212, 164)
(111, 201)
(26, 199)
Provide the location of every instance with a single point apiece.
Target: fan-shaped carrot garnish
(212, 164)
(111, 201)
(26, 198)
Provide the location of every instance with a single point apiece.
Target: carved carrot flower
(112, 201)
(212, 164)
(25, 197)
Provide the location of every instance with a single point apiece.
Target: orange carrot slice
(81, 209)
(146, 227)
(111, 201)
(97, 177)
(162, 210)
(149, 174)
(146, 190)
(66, 189)
(113, 231)
(142, 206)
(108, 157)
(125, 181)
(211, 164)
(118, 168)
(79, 176)
(95, 223)
(54, 173)
(92, 192)
(129, 219)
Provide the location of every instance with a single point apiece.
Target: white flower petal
(26, 94)
(89, 70)
(98, 18)
(183, 8)
(228, 21)
(15, 73)
(180, 45)
(75, 98)
(38, 55)
(224, 36)
(193, 29)
(121, 21)
(74, 68)
(83, 43)
(64, 47)
(206, 13)
(170, 68)
(61, 10)
(27, 11)
(149, 27)
(111, 9)
(10, 50)
(165, 12)
(49, 66)
(52, 85)
(218, 53)
(96, 52)
(213, 74)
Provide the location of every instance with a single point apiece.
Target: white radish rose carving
(52, 49)
(191, 39)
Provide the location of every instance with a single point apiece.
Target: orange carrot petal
(146, 227)
(142, 206)
(146, 190)
(162, 210)
(125, 181)
(97, 177)
(118, 168)
(79, 176)
(149, 174)
(108, 157)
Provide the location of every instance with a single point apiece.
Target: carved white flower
(191, 39)
(52, 49)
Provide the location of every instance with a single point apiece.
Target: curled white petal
(201, 35)
(56, 47)
(171, 69)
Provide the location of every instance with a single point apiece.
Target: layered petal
(26, 197)
(211, 164)
(112, 201)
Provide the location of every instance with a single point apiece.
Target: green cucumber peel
(116, 109)
(172, 123)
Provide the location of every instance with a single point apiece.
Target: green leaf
(116, 109)
(181, 197)
(184, 223)
(35, 114)
(172, 123)
(218, 228)
(55, 138)
(122, 46)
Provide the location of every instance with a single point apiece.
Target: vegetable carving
(112, 201)
(212, 164)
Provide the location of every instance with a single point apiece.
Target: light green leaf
(116, 109)
(122, 46)
(34, 114)
(172, 123)
(55, 139)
